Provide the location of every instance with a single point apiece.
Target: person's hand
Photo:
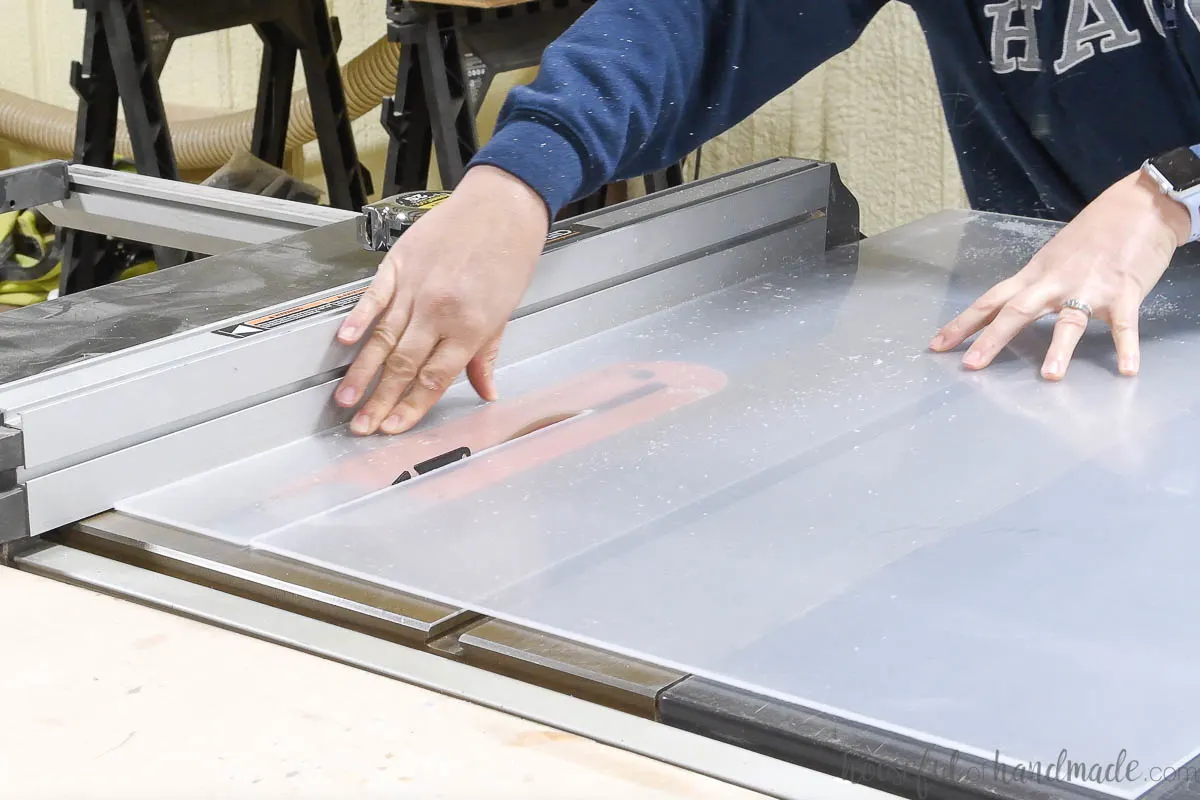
(441, 299)
(1109, 258)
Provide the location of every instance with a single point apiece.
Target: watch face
(1181, 167)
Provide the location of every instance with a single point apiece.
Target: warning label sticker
(287, 316)
(421, 199)
(564, 232)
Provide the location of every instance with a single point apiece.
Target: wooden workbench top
(105, 698)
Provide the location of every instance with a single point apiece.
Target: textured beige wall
(874, 110)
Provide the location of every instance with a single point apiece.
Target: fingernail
(1128, 365)
(347, 395)
(349, 332)
(394, 423)
(361, 424)
(1053, 369)
(937, 342)
(973, 359)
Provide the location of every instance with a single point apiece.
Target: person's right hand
(441, 299)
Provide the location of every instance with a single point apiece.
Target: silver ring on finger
(1078, 305)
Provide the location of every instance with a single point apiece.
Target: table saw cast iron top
(731, 455)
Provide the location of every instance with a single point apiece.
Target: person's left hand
(1109, 258)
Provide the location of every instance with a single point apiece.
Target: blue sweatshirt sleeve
(635, 85)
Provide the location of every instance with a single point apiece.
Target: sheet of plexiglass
(779, 487)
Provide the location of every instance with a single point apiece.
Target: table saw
(727, 489)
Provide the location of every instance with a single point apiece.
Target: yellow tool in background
(29, 260)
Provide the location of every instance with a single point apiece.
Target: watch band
(1177, 173)
(1192, 204)
(1191, 201)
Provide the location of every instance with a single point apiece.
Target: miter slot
(302, 588)
(564, 665)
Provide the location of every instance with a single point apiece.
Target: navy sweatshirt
(1049, 102)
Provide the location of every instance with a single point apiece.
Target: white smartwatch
(1177, 173)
